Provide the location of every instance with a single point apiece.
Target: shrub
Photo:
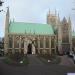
(15, 59)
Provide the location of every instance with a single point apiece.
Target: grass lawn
(16, 60)
(53, 58)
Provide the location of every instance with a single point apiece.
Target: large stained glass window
(47, 42)
(41, 42)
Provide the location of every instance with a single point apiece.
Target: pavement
(67, 61)
(35, 67)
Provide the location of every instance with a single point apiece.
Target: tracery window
(16, 42)
(36, 42)
(47, 42)
(22, 42)
(41, 42)
(52, 42)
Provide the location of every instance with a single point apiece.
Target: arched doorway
(29, 51)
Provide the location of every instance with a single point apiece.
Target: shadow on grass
(54, 59)
(16, 60)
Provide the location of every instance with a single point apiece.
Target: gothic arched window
(41, 42)
(47, 42)
(10, 41)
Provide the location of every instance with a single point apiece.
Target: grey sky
(35, 10)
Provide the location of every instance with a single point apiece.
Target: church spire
(48, 17)
(64, 20)
(69, 20)
(6, 31)
(58, 17)
(7, 20)
(55, 12)
(49, 11)
(7, 14)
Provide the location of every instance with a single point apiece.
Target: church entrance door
(29, 51)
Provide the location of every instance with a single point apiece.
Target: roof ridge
(30, 23)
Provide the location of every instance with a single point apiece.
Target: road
(34, 69)
(67, 61)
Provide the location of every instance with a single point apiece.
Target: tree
(2, 43)
(1, 2)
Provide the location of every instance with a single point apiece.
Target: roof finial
(7, 11)
(49, 11)
(34, 32)
(64, 20)
(69, 20)
(58, 17)
(25, 31)
(55, 12)
(13, 19)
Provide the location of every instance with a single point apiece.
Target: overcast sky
(35, 11)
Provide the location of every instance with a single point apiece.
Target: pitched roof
(30, 28)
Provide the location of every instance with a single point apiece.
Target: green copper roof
(30, 28)
(73, 34)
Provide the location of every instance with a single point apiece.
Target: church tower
(52, 19)
(66, 35)
(6, 31)
(62, 30)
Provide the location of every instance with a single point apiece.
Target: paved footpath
(67, 61)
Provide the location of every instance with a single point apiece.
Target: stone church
(36, 38)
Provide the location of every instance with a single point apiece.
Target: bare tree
(1, 2)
